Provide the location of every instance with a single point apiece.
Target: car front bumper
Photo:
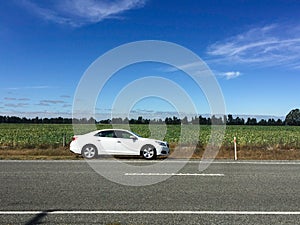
(163, 151)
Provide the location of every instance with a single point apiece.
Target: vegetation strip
(53, 136)
(50, 141)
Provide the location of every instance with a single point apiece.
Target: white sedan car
(117, 142)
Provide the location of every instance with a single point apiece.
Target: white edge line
(174, 174)
(155, 212)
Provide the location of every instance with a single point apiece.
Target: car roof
(112, 129)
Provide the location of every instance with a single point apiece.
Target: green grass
(30, 136)
(37, 141)
(50, 136)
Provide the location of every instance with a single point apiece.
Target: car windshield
(136, 134)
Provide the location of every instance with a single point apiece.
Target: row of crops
(249, 137)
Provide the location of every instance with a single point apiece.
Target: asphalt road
(71, 192)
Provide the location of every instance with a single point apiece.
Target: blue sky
(252, 47)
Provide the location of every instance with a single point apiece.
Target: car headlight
(161, 143)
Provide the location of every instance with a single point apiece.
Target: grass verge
(224, 153)
(39, 154)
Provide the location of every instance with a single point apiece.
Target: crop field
(249, 138)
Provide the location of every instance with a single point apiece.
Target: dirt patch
(243, 154)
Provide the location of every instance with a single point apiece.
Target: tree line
(292, 118)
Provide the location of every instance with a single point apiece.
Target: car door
(126, 144)
(106, 142)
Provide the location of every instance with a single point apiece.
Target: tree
(196, 120)
(117, 120)
(201, 120)
(126, 121)
(239, 121)
(251, 121)
(230, 119)
(279, 122)
(216, 120)
(91, 121)
(271, 122)
(263, 122)
(107, 121)
(293, 117)
(172, 121)
(184, 120)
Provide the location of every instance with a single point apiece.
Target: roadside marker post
(64, 140)
(235, 151)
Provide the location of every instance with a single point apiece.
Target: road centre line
(175, 174)
(153, 212)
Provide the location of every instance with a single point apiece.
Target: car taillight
(74, 138)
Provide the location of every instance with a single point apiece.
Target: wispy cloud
(33, 114)
(24, 99)
(193, 68)
(28, 87)
(65, 96)
(67, 106)
(16, 99)
(51, 102)
(273, 45)
(230, 75)
(80, 12)
(45, 102)
(9, 99)
(18, 105)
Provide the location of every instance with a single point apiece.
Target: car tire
(148, 152)
(89, 151)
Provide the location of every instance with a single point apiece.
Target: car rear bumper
(75, 148)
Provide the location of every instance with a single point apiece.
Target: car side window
(123, 134)
(109, 133)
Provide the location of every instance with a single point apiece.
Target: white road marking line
(259, 163)
(155, 212)
(175, 174)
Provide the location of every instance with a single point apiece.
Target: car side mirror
(133, 137)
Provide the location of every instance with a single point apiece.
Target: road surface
(71, 192)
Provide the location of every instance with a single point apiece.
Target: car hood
(152, 140)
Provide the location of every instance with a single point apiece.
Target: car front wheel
(148, 152)
(89, 151)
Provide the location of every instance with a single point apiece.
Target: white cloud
(231, 74)
(273, 45)
(80, 12)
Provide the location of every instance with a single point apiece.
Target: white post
(64, 140)
(235, 151)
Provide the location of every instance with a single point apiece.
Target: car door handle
(118, 141)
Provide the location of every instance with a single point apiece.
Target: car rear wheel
(148, 152)
(89, 151)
